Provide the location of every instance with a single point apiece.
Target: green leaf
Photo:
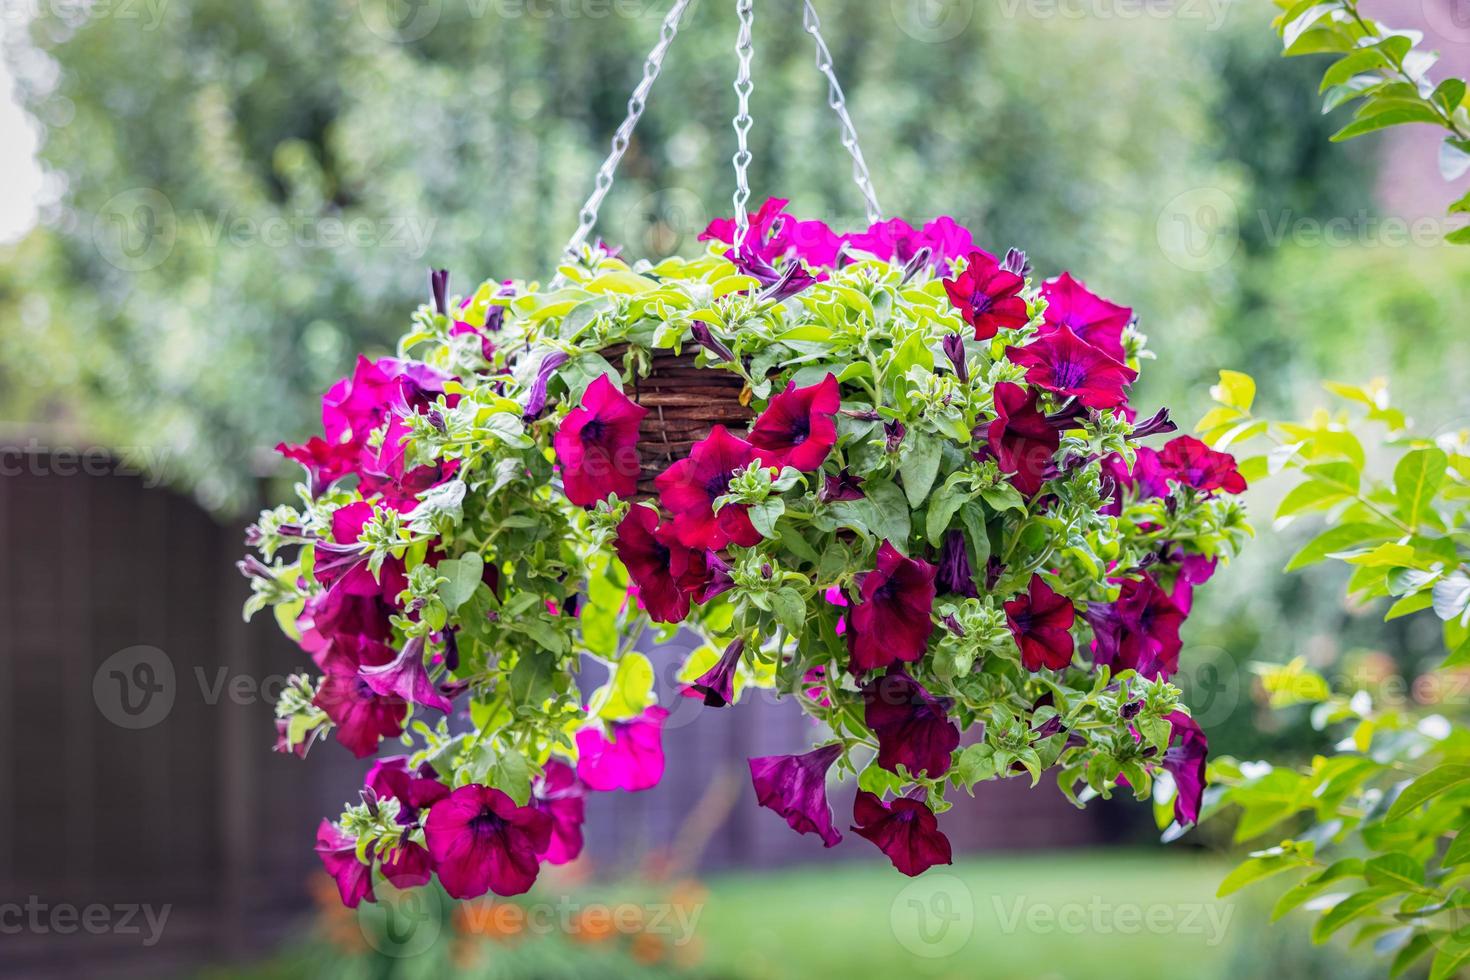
(919, 467)
(531, 678)
(628, 692)
(1460, 236)
(1449, 94)
(1337, 539)
(1416, 947)
(464, 574)
(1397, 116)
(1438, 780)
(1299, 20)
(1459, 850)
(790, 610)
(1353, 907)
(942, 508)
(1258, 868)
(1235, 390)
(1396, 870)
(508, 772)
(1004, 497)
(1416, 480)
(1450, 958)
(1309, 496)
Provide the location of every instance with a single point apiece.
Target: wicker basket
(684, 403)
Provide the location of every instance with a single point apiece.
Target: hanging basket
(684, 403)
(887, 476)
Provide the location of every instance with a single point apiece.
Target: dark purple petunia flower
(798, 427)
(1093, 319)
(704, 338)
(1158, 424)
(338, 852)
(1140, 631)
(906, 830)
(1023, 442)
(891, 620)
(668, 574)
(689, 488)
(632, 759)
(1195, 464)
(1041, 621)
(955, 575)
(480, 841)
(912, 725)
(717, 685)
(536, 396)
(1067, 365)
(406, 678)
(559, 795)
(414, 789)
(954, 349)
(795, 786)
(597, 445)
(988, 296)
(841, 486)
(1185, 761)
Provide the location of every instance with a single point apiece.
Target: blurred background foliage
(152, 308)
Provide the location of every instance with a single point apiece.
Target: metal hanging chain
(636, 103)
(744, 48)
(838, 102)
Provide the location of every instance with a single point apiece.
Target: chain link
(838, 102)
(636, 103)
(744, 48)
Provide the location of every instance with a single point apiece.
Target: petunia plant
(918, 508)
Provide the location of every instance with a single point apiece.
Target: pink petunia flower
(689, 488)
(988, 296)
(1069, 366)
(1093, 319)
(798, 427)
(559, 795)
(631, 759)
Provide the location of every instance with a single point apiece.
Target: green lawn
(1135, 914)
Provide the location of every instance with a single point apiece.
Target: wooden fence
(135, 736)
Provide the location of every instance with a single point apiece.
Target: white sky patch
(20, 174)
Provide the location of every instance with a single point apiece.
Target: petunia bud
(843, 486)
(954, 349)
(1160, 423)
(953, 625)
(439, 290)
(1015, 263)
(706, 339)
(893, 433)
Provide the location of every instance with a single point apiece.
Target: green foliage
(1387, 75)
(1380, 819)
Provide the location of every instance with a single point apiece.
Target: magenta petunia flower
(1140, 631)
(689, 488)
(899, 242)
(480, 841)
(338, 852)
(363, 718)
(1193, 570)
(716, 686)
(668, 574)
(406, 865)
(1041, 621)
(1195, 464)
(912, 725)
(988, 297)
(795, 786)
(405, 677)
(1023, 442)
(559, 795)
(906, 830)
(1185, 761)
(630, 758)
(1061, 362)
(325, 462)
(1092, 318)
(597, 445)
(798, 427)
(891, 620)
(775, 236)
(414, 789)
(386, 470)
